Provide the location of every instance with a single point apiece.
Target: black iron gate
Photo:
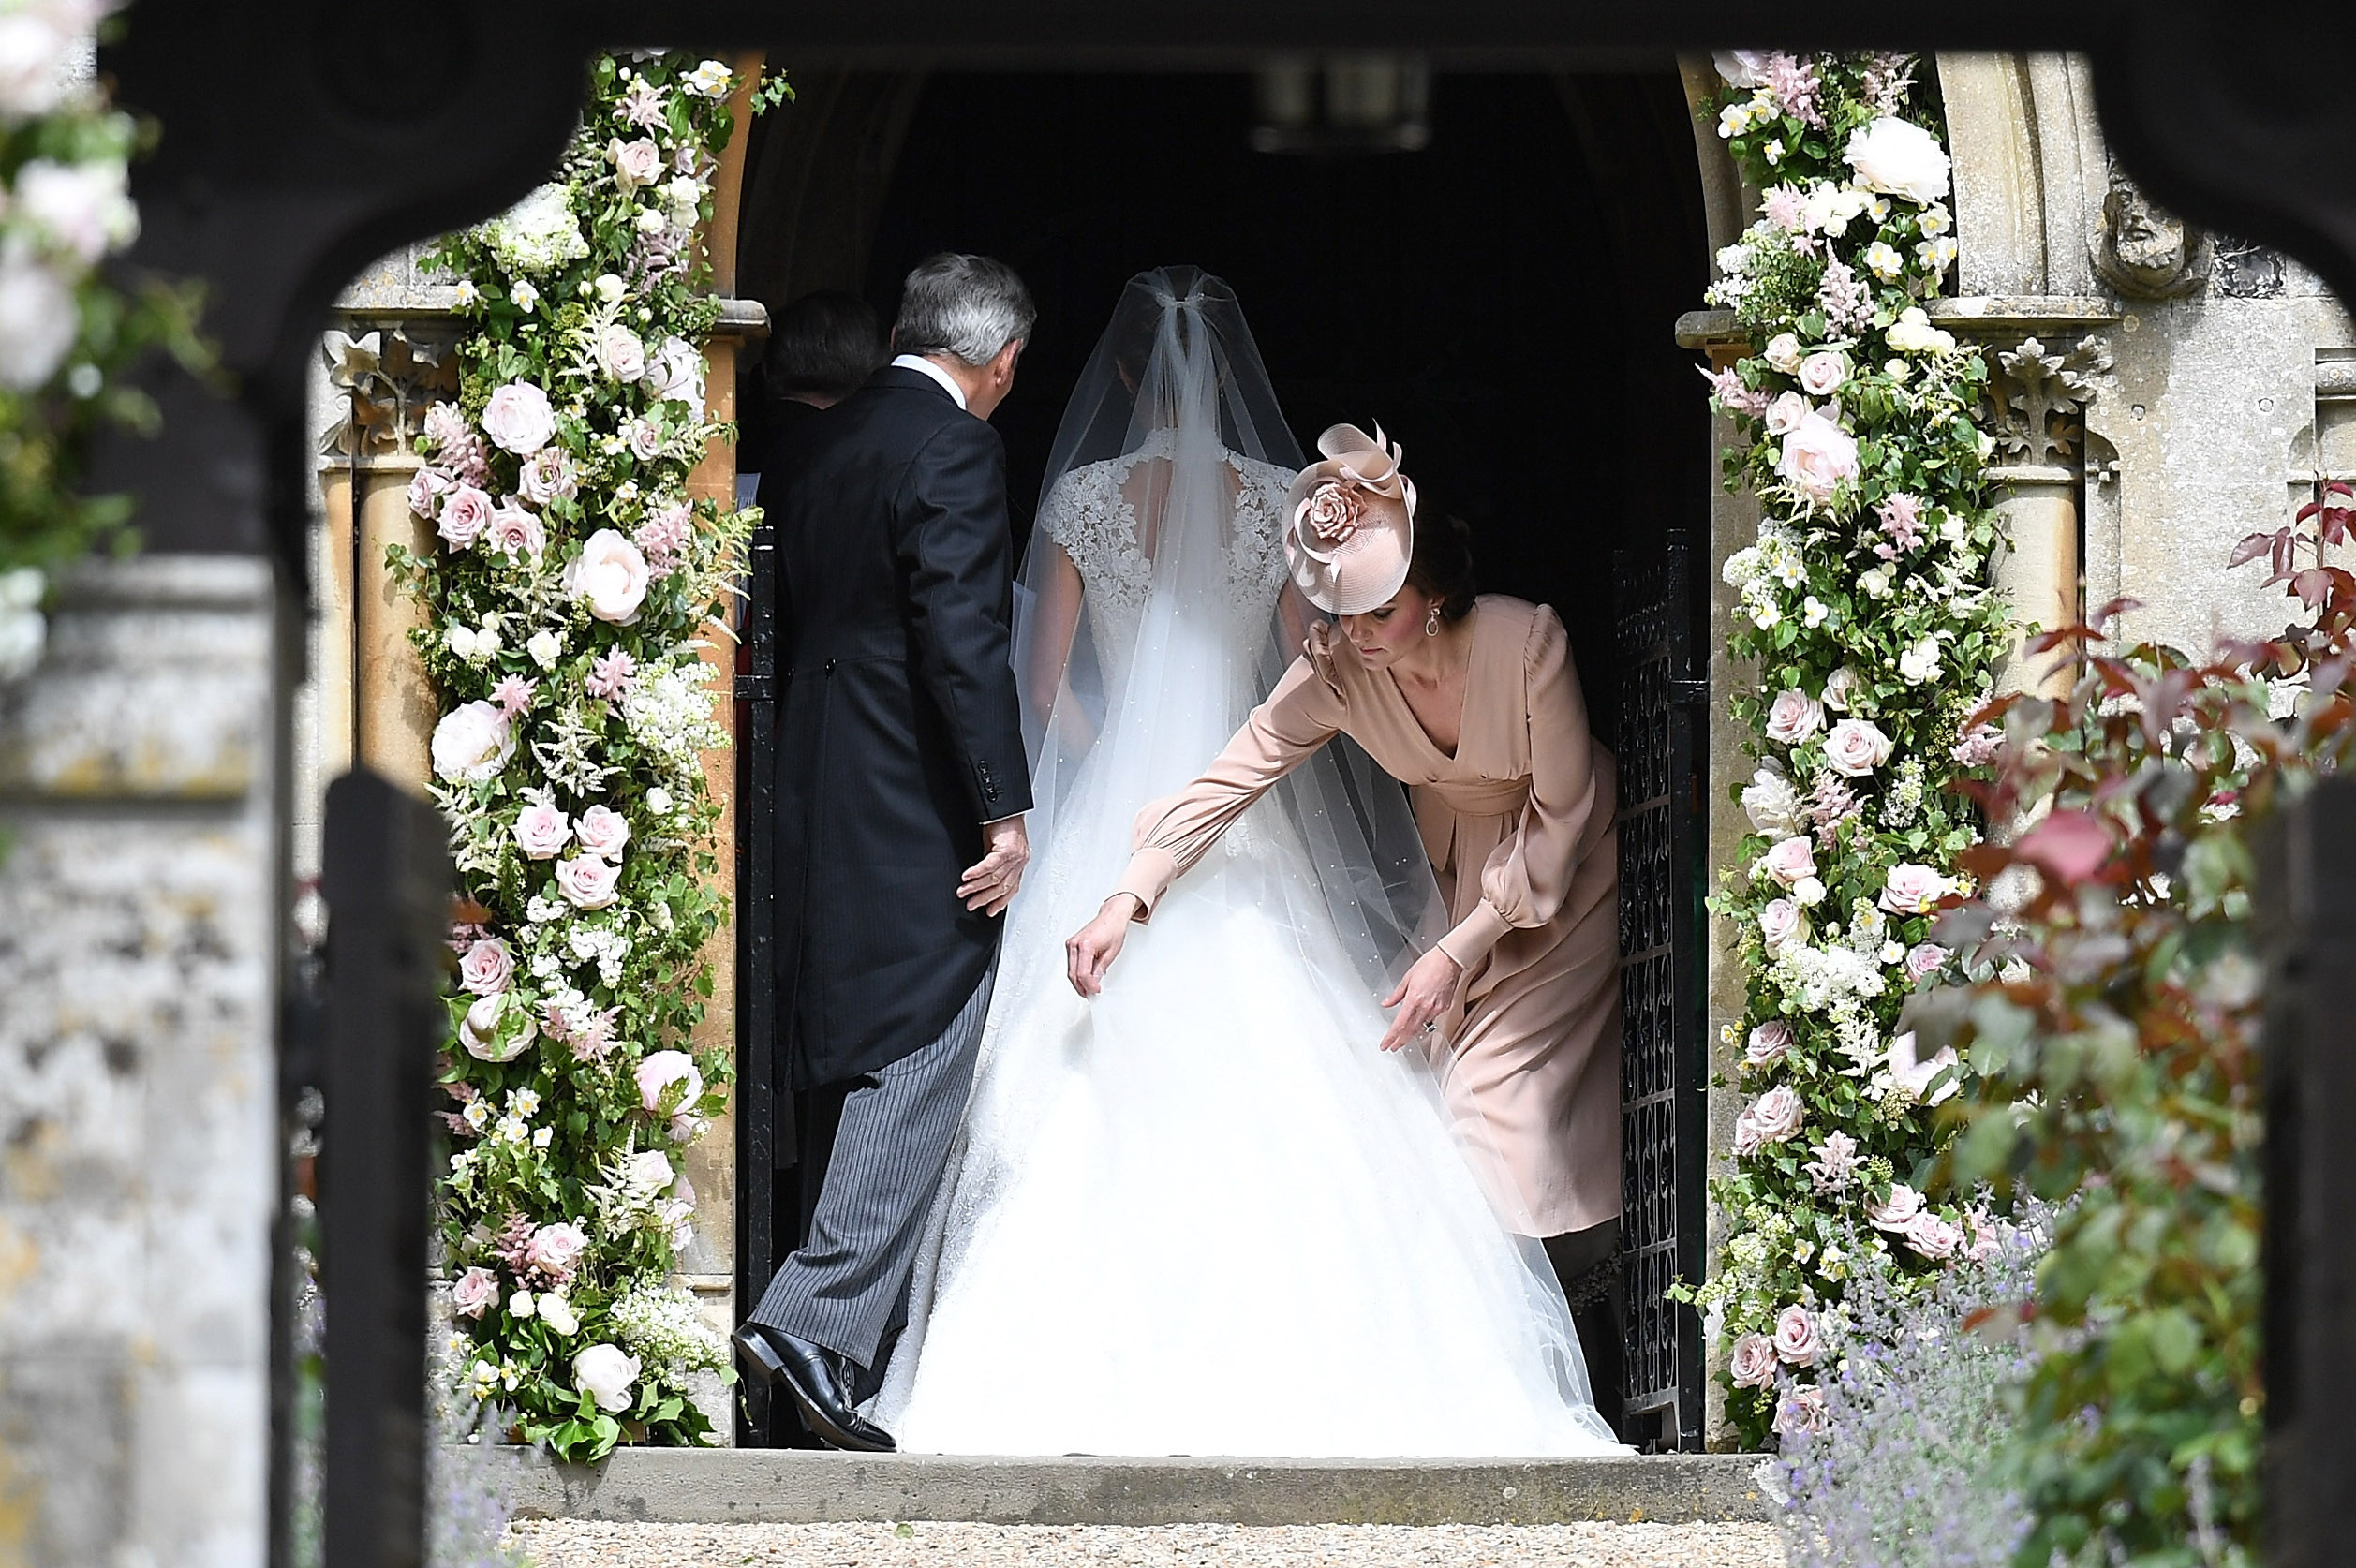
(1663, 1090)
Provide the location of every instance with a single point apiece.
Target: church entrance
(1491, 267)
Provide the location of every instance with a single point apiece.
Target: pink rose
(1856, 747)
(646, 439)
(556, 1250)
(1785, 414)
(516, 532)
(1933, 1237)
(588, 882)
(1915, 1076)
(1782, 926)
(1923, 960)
(1912, 890)
(427, 489)
(549, 477)
(1753, 1362)
(620, 353)
(1818, 457)
(603, 832)
(1770, 1044)
(1897, 1211)
(1822, 373)
(519, 419)
(656, 1074)
(636, 164)
(1772, 1118)
(465, 513)
(1793, 716)
(1797, 1343)
(1333, 512)
(541, 830)
(486, 968)
(1791, 861)
(611, 574)
(473, 1292)
(1801, 1410)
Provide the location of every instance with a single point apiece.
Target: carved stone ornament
(389, 378)
(2040, 398)
(2146, 251)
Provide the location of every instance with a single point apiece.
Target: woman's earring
(1432, 623)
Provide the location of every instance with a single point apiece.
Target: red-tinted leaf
(2070, 845)
(2251, 547)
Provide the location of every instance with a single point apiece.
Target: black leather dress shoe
(819, 1382)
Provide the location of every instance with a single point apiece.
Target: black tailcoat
(900, 735)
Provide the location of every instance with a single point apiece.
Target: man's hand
(1091, 950)
(1422, 998)
(989, 884)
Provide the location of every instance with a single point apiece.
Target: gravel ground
(583, 1543)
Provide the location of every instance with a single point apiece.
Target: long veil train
(1203, 1214)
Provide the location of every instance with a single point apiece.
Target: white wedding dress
(1203, 1214)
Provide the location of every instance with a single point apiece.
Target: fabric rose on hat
(1796, 1341)
(473, 1292)
(519, 419)
(1752, 1364)
(1333, 513)
(611, 575)
(1856, 747)
(1898, 157)
(656, 1073)
(1793, 716)
(606, 1374)
(588, 882)
(486, 968)
(472, 743)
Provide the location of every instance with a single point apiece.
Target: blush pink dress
(1519, 826)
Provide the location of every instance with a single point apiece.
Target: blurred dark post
(758, 1129)
(2308, 914)
(387, 884)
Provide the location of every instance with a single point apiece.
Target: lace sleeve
(1256, 558)
(1085, 513)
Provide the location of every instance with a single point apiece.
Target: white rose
(1920, 663)
(588, 882)
(557, 1313)
(1808, 893)
(610, 287)
(1856, 747)
(37, 45)
(1912, 334)
(656, 1074)
(546, 647)
(38, 320)
(472, 742)
(1818, 455)
(676, 372)
(86, 207)
(621, 353)
(1899, 157)
(1878, 582)
(542, 831)
(1782, 926)
(636, 164)
(649, 1170)
(521, 1305)
(518, 418)
(1783, 353)
(659, 801)
(611, 574)
(652, 221)
(480, 1033)
(605, 1374)
(486, 968)
(1772, 803)
(1741, 67)
(1843, 688)
(1790, 860)
(1793, 716)
(1785, 414)
(1822, 373)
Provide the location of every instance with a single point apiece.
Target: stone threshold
(758, 1486)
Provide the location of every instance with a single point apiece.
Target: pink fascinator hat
(1349, 523)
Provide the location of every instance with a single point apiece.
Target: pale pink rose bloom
(675, 373)
(1797, 1343)
(515, 531)
(549, 477)
(1923, 960)
(513, 694)
(556, 1250)
(609, 674)
(601, 831)
(519, 419)
(659, 1070)
(1785, 414)
(587, 881)
(621, 353)
(542, 831)
(1912, 890)
(426, 490)
(1856, 747)
(466, 512)
(483, 1035)
(443, 427)
(1897, 1211)
(1818, 457)
(1843, 688)
(1772, 1118)
(486, 968)
(645, 440)
(636, 164)
(472, 742)
(1334, 512)
(473, 1292)
(1752, 1364)
(1770, 1044)
(1793, 716)
(1801, 1410)
(1822, 373)
(611, 574)
(1741, 67)
(1791, 861)
(1933, 1236)
(1782, 924)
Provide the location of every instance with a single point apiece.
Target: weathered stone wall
(139, 919)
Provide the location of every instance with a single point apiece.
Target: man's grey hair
(967, 307)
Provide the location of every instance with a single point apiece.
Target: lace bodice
(1090, 514)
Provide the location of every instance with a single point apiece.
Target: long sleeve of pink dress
(1519, 826)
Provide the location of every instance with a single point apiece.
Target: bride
(1203, 1214)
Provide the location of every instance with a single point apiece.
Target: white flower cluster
(537, 234)
(667, 1329)
(668, 712)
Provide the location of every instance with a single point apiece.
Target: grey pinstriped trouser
(846, 1286)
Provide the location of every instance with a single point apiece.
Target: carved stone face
(2146, 250)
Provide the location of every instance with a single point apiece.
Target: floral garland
(568, 601)
(67, 331)
(1866, 608)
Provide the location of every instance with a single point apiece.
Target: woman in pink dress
(1471, 702)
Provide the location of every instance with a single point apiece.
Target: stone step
(768, 1485)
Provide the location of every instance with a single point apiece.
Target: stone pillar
(139, 867)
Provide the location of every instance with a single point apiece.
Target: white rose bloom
(676, 372)
(1783, 352)
(610, 287)
(472, 742)
(40, 319)
(1912, 334)
(610, 573)
(556, 1311)
(651, 220)
(37, 47)
(659, 801)
(1771, 803)
(480, 1035)
(1843, 688)
(621, 354)
(587, 881)
(1920, 663)
(85, 207)
(518, 418)
(521, 1305)
(1741, 67)
(546, 647)
(604, 1373)
(1808, 893)
(1898, 157)
(1877, 581)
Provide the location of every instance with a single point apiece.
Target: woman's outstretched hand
(1422, 998)
(1092, 949)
